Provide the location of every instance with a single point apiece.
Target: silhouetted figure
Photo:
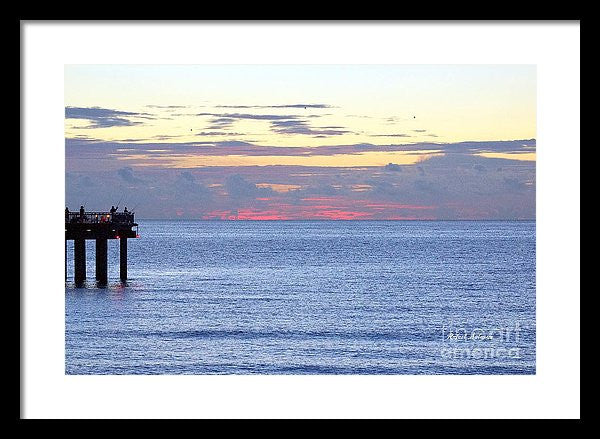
(113, 210)
(81, 213)
(125, 210)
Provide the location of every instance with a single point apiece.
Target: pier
(99, 226)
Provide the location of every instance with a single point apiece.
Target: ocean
(309, 297)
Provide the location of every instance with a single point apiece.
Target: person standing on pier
(81, 213)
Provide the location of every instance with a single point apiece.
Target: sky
(296, 142)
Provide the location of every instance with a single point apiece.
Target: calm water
(321, 297)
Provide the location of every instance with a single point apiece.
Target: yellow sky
(375, 104)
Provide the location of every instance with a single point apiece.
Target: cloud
(513, 184)
(231, 143)
(238, 188)
(187, 177)
(277, 106)
(218, 133)
(427, 186)
(187, 189)
(390, 135)
(104, 117)
(94, 153)
(127, 175)
(393, 167)
(452, 188)
(504, 146)
(86, 181)
(294, 126)
(81, 181)
(226, 120)
(249, 116)
(220, 123)
(280, 123)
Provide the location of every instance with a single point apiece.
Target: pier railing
(99, 217)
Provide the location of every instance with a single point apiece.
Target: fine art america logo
(465, 342)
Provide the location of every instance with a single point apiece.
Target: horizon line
(338, 219)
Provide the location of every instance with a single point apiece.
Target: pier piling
(123, 258)
(79, 261)
(102, 261)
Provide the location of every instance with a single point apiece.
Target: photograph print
(300, 219)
